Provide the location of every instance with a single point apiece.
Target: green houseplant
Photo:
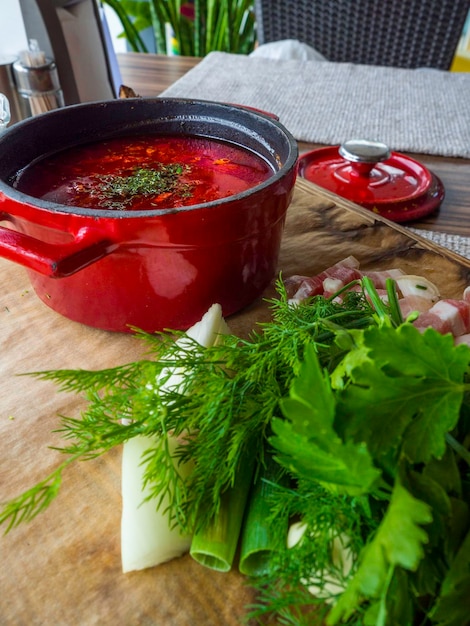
(189, 28)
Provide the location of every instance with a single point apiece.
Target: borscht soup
(144, 172)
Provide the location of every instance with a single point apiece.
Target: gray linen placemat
(456, 243)
(423, 110)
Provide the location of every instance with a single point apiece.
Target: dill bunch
(220, 411)
(119, 190)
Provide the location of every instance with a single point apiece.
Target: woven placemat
(423, 110)
(456, 243)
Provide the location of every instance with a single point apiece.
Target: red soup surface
(144, 173)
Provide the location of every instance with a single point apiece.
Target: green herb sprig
(119, 190)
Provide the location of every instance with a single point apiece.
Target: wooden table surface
(150, 74)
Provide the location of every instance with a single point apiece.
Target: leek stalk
(262, 534)
(147, 539)
(215, 545)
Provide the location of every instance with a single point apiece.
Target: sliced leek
(262, 535)
(411, 285)
(215, 545)
(146, 537)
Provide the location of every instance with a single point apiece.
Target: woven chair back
(398, 33)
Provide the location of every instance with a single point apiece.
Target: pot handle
(54, 260)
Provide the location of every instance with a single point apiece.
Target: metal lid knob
(364, 155)
(364, 151)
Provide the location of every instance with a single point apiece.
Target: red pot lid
(367, 173)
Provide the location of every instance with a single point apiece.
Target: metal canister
(7, 87)
(38, 87)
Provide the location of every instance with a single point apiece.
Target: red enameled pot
(154, 269)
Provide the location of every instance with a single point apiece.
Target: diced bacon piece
(462, 317)
(409, 304)
(338, 280)
(379, 278)
(432, 320)
(307, 288)
(293, 283)
(463, 339)
(447, 316)
(332, 285)
(345, 271)
(382, 293)
(464, 308)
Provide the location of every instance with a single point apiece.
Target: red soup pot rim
(7, 174)
(115, 270)
(75, 125)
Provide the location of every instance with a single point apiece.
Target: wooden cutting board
(64, 568)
